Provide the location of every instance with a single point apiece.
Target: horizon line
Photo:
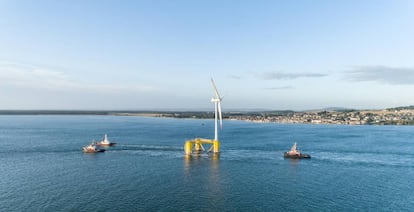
(198, 109)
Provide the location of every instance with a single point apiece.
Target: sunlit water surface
(353, 168)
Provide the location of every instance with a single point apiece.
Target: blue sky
(161, 54)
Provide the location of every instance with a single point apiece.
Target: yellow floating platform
(196, 145)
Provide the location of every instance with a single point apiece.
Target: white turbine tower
(217, 110)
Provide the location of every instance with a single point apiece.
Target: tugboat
(91, 148)
(105, 142)
(294, 153)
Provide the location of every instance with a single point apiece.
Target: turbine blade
(215, 89)
(221, 118)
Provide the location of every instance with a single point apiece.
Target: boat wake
(42, 151)
(143, 147)
(251, 155)
(368, 159)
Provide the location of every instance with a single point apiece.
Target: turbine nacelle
(216, 100)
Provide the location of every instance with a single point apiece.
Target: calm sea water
(353, 168)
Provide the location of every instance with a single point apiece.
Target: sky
(161, 54)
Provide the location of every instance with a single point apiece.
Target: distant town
(390, 116)
(364, 117)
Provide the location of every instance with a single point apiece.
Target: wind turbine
(217, 110)
(197, 143)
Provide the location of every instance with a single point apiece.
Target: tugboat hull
(110, 144)
(93, 151)
(300, 156)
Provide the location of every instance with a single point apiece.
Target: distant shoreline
(79, 112)
(53, 112)
(394, 116)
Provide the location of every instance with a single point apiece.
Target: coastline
(396, 116)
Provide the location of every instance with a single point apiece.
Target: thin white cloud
(381, 74)
(281, 88)
(33, 77)
(44, 73)
(28, 76)
(281, 75)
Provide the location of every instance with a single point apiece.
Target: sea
(353, 168)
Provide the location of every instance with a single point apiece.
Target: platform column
(188, 147)
(216, 146)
